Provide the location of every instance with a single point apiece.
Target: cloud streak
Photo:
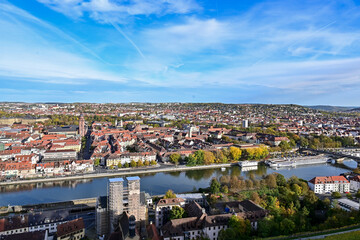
(107, 11)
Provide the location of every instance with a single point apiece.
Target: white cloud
(108, 11)
(33, 51)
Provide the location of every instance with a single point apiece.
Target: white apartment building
(355, 183)
(329, 184)
(163, 208)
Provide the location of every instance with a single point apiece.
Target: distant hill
(354, 110)
(333, 108)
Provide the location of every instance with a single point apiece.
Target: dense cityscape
(49, 143)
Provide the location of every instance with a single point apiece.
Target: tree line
(225, 155)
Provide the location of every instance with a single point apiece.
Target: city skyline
(180, 51)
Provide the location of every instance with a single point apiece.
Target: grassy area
(319, 233)
(345, 236)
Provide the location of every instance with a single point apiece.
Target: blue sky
(303, 52)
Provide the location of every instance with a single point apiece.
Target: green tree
(146, 163)
(170, 194)
(357, 194)
(303, 142)
(175, 158)
(126, 165)
(224, 189)
(153, 162)
(327, 203)
(190, 160)
(119, 165)
(285, 146)
(287, 226)
(310, 199)
(238, 229)
(214, 186)
(280, 180)
(97, 162)
(297, 189)
(199, 157)
(177, 212)
(292, 143)
(349, 196)
(335, 195)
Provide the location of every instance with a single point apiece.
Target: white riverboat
(245, 169)
(248, 163)
(293, 162)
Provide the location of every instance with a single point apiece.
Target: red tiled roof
(329, 179)
(69, 227)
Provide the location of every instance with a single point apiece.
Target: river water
(154, 184)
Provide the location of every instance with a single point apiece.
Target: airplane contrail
(10, 9)
(127, 38)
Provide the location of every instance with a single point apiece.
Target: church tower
(82, 125)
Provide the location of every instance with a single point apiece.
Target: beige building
(114, 160)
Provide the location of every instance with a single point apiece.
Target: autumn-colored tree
(170, 194)
(209, 158)
(220, 157)
(140, 163)
(133, 163)
(271, 181)
(235, 153)
(255, 197)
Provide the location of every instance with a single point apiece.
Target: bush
(335, 195)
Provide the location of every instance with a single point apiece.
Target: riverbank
(160, 168)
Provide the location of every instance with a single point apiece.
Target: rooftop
(133, 178)
(116, 180)
(70, 227)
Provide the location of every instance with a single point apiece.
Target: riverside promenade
(123, 172)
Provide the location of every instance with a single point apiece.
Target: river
(154, 184)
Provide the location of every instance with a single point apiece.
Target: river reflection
(155, 183)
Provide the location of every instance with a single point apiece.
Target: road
(329, 234)
(122, 172)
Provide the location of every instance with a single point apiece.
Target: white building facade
(322, 185)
